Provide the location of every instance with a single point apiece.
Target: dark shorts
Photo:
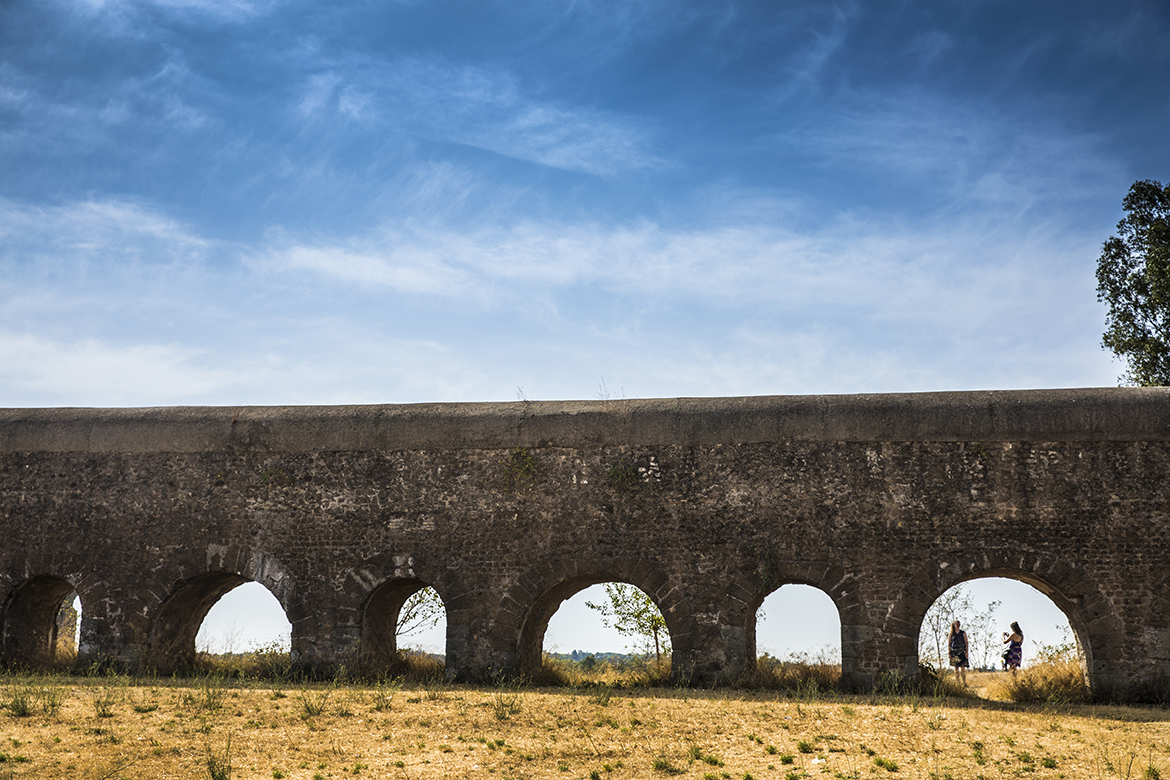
(959, 658)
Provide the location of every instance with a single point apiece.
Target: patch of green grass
(662, 764)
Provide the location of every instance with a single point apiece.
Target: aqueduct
(881, 501)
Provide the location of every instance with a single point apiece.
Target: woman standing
(957, 647)
(1015, 651)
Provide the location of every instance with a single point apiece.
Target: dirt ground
(107, 729)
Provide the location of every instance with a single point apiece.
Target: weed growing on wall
(622, 478)
(520, 469)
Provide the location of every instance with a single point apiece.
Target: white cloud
(854, 306)
(49, 372)
(414, 271)
(849, 264)
(228, 10)
(95, 229)
(480, 107)
(1000, 160)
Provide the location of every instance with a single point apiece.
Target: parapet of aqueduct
(881, 501)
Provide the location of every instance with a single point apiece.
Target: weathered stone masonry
(881, 501)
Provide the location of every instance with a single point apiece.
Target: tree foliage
(420, 612)
(1133, 278)
(634, 614)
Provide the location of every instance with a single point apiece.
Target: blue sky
(269, 202)
(283, 202)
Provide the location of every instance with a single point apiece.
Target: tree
(635, 614)
(981, 635)
(420, 612)
(956, 604)
(1133, 278)
(953, 605)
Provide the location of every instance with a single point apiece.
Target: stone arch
(170, 644)
(379, 619)
(746, 594)
(376, 591)
(1092, 617)
(532, 601)
(28, 629)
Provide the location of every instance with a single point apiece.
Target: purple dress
(1015, 653)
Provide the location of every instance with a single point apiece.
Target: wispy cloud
(153, 107)
(110, 230)
(478, 106)
(115, 11)
(850, 263)
(1001, 158)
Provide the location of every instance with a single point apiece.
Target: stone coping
(1093, 414)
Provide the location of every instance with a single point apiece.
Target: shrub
(505, 704)
(219, 766)
(808, 675)
(552, 673)
(1056, 678)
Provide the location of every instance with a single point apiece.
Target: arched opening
(986, 605)
(794, 639)
(799, 623)
(41, 623)
(180, 618)
(623, 620)
(403, 620)
(248, 618)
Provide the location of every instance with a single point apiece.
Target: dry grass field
(107, 728)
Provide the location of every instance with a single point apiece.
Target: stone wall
(883, 502)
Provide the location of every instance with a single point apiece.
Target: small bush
(808, 675)
(106, 697)
(219, 766)
(270, 662)
(1054, 681)
(553, 673)
(406, 665)
(313, 703)
(383, 694)
(19, 700)
(505, 704)
(662, 764)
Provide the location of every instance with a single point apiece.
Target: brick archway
(744, 595)
(531, 603)
(1091, 616)
(170, 641)
(374, 593)
(29, 621)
